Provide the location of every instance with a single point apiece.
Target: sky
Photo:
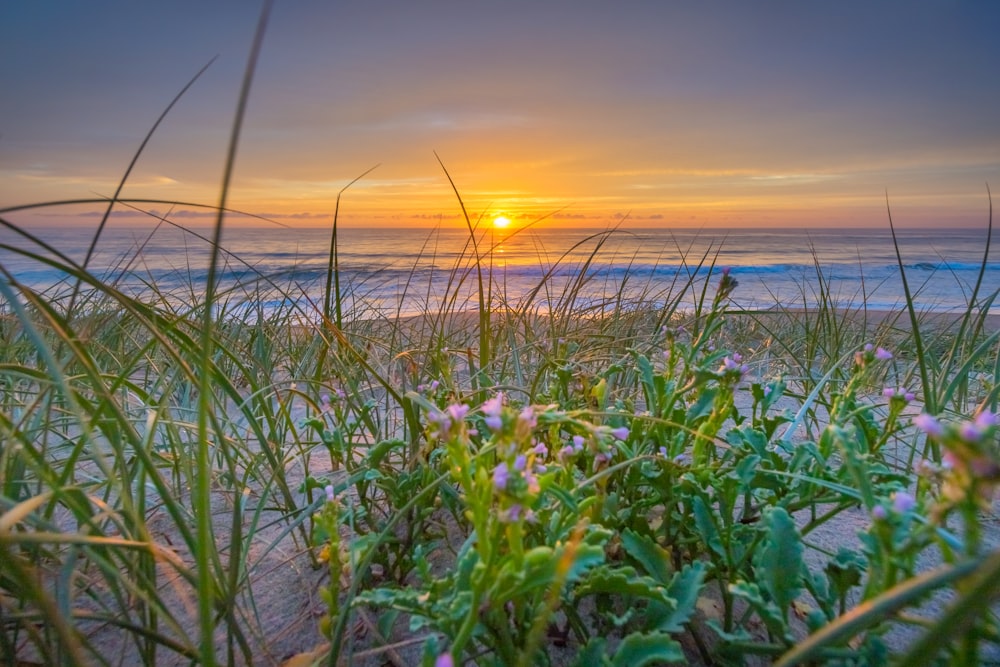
(665, 114)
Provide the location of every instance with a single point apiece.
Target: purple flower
(929, 425)
(566, 452)
(970, 432)
(883, 354)
(578, 441)
(330, 496)
(662, 451)
(444, 660)
(898, 392)
(620, 433)
(325, 400)
(494, 423)
(903, 502)
(880, 513)
(869, 347)
(986, 419)
(441, 419)
(500, 476)
(512, 514)
(733, 365)
(540, 450)
(520, 462)
(767, 390)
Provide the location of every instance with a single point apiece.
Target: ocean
(393, 272)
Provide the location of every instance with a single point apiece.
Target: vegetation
(614, 482)
(537, 481)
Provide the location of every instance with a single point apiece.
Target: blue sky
(697, 114)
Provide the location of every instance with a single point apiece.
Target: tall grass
(106, 465)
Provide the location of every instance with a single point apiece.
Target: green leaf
(649, 554)
(768, 611)
(705, 523)
(587, 556)
(702, 407)
(746, 470)
(778, 563)
(624, 581)
(377, 453)
(684, 589)
(592, 654)
(654, 648)
(845, 570)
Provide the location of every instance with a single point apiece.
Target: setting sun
(501, 222)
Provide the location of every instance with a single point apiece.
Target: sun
(501, 222)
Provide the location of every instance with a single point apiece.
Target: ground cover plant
(206, 478)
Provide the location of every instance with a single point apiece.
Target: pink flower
(528, 418)
(492, 409)
(457, 411)
(444, 660)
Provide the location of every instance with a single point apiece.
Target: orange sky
(582, 113)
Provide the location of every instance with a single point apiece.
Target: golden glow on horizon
(501, 222)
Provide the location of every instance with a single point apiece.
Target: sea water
(401, 271)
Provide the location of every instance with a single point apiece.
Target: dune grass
(652, 456)
(536, 478)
